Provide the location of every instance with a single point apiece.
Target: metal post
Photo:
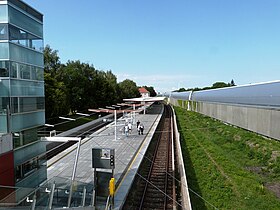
(74, 173)
(34, 201)
(84, 197)
(115, 111)
(144, 107)
(8, 119)
(94, 187)
(134, 119)
(51, 196)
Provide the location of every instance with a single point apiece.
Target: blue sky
(168, 43)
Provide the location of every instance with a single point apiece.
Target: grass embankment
(229, 167)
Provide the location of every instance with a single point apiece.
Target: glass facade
(22, 105)
(21, 65)
(3, 13)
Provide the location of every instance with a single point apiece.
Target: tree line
(77, 86)
(214, 86)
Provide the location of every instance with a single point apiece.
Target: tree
(55, 91)
(232, 83)
(81, 82)
(151, 90)
(219, 85)
(55, 97)
(128, 89)
(180, 90)
(51, 60)
(79, 86)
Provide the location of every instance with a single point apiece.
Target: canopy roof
(145, 99)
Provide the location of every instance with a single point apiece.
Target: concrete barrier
(186, 201)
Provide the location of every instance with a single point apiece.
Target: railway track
(154, 188)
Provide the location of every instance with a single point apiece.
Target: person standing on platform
(137, 124)
(141, 128)
(129, 127)
(126, 130)
(138, 129)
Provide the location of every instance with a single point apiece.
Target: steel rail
(150, 173)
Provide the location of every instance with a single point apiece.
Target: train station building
(22, 108)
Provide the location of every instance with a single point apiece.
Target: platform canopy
(113, 110)
(145, 99)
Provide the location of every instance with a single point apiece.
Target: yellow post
(112, 187)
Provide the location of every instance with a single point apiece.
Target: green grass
(227, 166)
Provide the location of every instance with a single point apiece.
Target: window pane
(3, 13)
(24, 38)
(27, 88)
(4, 101)
(14, 69)
(4, 51)
(29, 136)
(27, 104)
(21, 20)
(24, 55)
(3, 31)
(25, 71)
(4, 68)
(4, 88)
(40, 103)
(14, 105)
(39, 74)
(32, 119)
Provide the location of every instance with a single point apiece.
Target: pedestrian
(137, 124)
(126, 130)
(141, 128)
(129, 127)
(138, 129)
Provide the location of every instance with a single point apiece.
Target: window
(14, 70)
(24, 71)
(3, 31)
(29, 136)
(26, 168)
(4, 69)
(24, 38)
(4, 101)
(40, 103)
(14, 105)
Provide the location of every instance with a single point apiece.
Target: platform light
(49, 125)
(78, 113)
(110, 107)
(116, 106)
(67, 118)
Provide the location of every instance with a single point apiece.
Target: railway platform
(129, 151)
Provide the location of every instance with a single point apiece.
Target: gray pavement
(126, 149)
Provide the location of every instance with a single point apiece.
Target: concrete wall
(262, 120)
(186, 201)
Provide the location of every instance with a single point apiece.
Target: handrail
(108, 205)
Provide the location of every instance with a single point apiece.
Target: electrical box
(103, 158)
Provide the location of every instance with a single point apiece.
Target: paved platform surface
(126, 149)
